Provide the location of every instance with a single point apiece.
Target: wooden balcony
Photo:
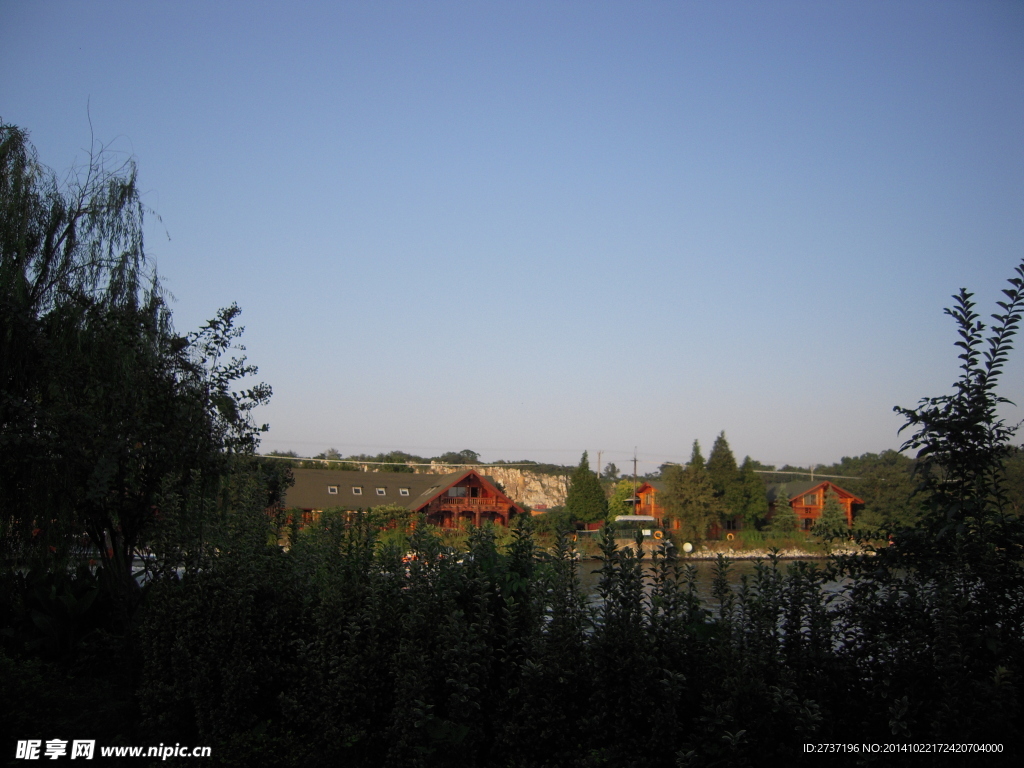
(465, 502)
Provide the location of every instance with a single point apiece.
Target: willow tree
(103, 407)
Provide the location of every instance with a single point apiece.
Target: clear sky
(530, 229)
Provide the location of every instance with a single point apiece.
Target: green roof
(334, 488)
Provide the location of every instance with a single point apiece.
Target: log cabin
(807, 498)
(445, 500)
(647, 493)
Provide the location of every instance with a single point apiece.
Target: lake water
(590, 577)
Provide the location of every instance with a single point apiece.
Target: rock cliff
(534, 489)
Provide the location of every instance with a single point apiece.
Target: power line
(812, 474)
(390, 463)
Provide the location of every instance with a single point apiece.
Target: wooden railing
(462, 502)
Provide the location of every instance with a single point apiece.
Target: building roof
(657, 485)
(362, 490)
(801, 487)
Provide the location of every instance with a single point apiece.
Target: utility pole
(634, 480)
(599, 465)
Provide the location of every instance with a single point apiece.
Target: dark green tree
(1014, 470)
(585, 501)
(832, 523)
(690, 498)
(104, 409)
(784, 519)
(753, 498)
(725, 476)
(962, 444)
(886, 483)
(460, 457)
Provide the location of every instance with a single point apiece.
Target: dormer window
(357, 490)
(403, 491)
(381, 491)
(332, 489)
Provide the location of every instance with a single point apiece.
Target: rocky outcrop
(534, 489)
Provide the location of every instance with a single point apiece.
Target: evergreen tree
(784, 519)
(832, 522)
(696, 457)
(725, 476)
(754, 499)
(585, 501)
(689, 496)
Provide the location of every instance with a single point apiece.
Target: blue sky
(531, 229)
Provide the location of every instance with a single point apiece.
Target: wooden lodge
(647, 501)
(647, 504)
(446, 500)
(807, 499)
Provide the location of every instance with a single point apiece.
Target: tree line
(706, 492)
(400, 461)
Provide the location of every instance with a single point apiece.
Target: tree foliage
(784, 519)
(104, 409)
(962, 443)
(752, 496)
(1014, 473)
(832, 523)
(620, 501)
(725, 476)
(885, 482)
(690, 498)
(585, 501)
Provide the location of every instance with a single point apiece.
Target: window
(381, 491)
(811, 500)
(808, 524)
(403, 491)
(458, 492)
(332, 489)
(357, 490)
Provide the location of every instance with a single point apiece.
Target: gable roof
(793, 490)
(657, 485)
(312, 488)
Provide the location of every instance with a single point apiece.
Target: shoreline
(788, 553)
